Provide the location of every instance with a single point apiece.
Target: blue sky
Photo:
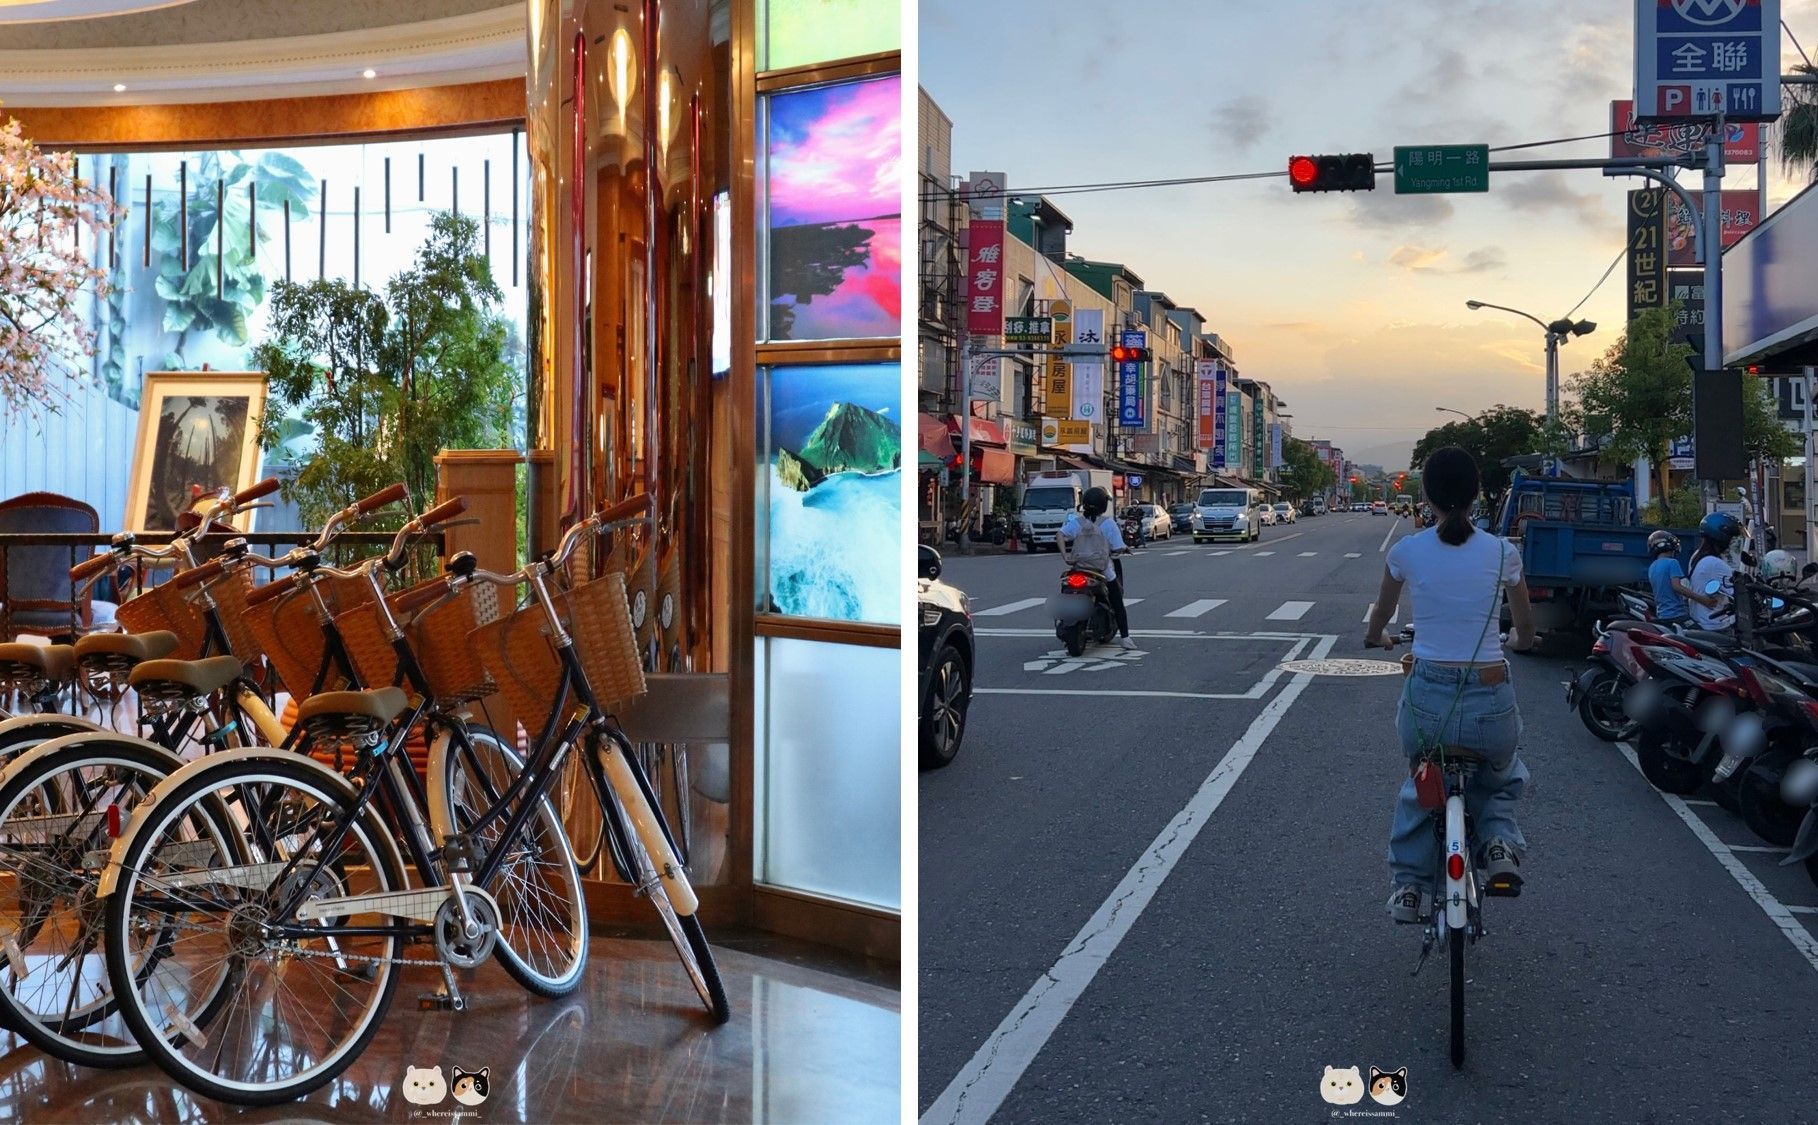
(1351, 305)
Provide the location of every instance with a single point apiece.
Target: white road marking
(1688, 800)
(1215, 554)
(1353, 555)
(1290, 611)
(1006, 610)
(1371, 608)
(1197, 609)
(1778, 913)
(1308, 554)
(1396, 526)
(981, 1086)
(1264, 554)
(1757, 848)
(1802, 910)
(1171, 554)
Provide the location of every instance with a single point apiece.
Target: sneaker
(1126, 644)
(1408, 905)
(1501, 869)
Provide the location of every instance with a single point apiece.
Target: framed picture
(197, 429)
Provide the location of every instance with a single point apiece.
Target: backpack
(1090, 548)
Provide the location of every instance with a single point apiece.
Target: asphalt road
(1152, 887)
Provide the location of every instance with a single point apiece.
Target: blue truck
(1578, 540)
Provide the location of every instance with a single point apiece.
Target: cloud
(1239, 123)
(1540, 193)
(1386, 210)
(1423, 259)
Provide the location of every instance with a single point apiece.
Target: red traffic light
(1350, 171)
(1302, 171)
(1121, 354)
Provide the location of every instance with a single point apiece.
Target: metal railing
(347, 546)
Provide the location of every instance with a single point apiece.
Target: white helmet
(1778, 567)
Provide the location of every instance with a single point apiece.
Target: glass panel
(830, 777)
(803, 32)
(834, 241)
(831, 520)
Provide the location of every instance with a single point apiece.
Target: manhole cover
(1342, 667)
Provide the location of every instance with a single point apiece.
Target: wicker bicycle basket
(438, 637)
(287, 631)
(523, 662)
(165, 607)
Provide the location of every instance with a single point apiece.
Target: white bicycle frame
(1461, 891)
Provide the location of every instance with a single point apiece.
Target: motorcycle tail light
(1600, 648)
(1455, 866)
(1076, 581)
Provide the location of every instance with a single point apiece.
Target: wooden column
(488, 478)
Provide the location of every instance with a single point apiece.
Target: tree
(1492, 437)
(387, 382)
(1303, 472)
(44, 269)
(1798, 125)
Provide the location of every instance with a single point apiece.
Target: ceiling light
(369, 72)
(119, 87)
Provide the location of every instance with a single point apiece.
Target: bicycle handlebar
(197, 575)
(258, 491)
(443, 512)
(89, 567)
(388, 495)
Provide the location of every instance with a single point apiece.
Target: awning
(983, 430)
(997, 466)
(934, 436)
(928, 462)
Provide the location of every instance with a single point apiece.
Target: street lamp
(1558, 333)
(1460, 413)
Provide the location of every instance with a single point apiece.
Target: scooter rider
(1093, 508)
(1716, 532)
(1667, 579)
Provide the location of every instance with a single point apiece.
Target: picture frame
(195, 428)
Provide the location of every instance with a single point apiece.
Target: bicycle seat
(128, 647)
(348, 714)
(167, 678)
(22, 661)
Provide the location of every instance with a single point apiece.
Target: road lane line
(1172, 554)
(1393, 528)
(1308, 554)
(1215, 554)
(1264, 554)
(1006, 610)
(1128, 602)
(1197, 609)
(1371, 608)
(1778, 913)
(981, 1086)
(1290, 611)
(1353, 554)
(1757, 848)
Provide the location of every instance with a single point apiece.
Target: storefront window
(803, 32)
(829, 527)
(833, 210)
(832, 779)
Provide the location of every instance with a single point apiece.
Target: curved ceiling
(321, 47)
(25, 11)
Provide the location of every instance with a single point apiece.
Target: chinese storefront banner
(1741, 142)
(1647, 255)
(1206, 370)
(1220, 397)
(1088, 375)
(985, 278)
(1738, 215)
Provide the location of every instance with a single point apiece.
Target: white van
(1227, 513)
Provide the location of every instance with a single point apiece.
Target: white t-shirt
(1457, 592)
(1713, 568)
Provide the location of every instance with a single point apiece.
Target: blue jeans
(1484, 720)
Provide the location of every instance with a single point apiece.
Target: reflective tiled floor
(812, 1039)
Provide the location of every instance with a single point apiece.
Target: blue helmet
(1720, 528)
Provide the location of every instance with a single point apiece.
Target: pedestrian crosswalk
(1195, 609)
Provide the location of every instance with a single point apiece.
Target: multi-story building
(941, 221)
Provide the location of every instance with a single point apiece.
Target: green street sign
(1429, 169)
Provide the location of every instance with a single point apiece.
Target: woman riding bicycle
(1458, 693)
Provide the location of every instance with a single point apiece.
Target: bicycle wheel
(542, 913)
(1456, 939)
(57, 807)
(296, 1005)
(637, 827)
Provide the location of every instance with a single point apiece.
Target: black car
(1182, 515)
(946, 668)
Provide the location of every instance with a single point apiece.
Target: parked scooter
(1082, 610)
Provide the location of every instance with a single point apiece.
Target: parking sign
(1702, 58)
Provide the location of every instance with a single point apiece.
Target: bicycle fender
(331, 778)
(1456, 845)
(24, 761)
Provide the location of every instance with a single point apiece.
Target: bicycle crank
(452, 941)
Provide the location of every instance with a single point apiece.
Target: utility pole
(965, 535)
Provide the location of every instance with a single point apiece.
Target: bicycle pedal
(441, 1002)
(1503, 888)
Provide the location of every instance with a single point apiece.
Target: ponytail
(1455, 527)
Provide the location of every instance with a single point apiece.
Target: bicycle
(311, 897)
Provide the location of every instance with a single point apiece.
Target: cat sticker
(1342, 1087)
(424, 1085)
(1387, 1087)
(470, 1086)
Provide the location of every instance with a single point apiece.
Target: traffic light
(1351, 171)
(1121, 354)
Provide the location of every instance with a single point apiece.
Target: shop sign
(1028, 330)
(1256, 438)
(1685, 288)
(1063, 431)
(1741, 141)
(1738, 215)
(1274, 445)
(1088, 377)
(1059, 384)
(1134, 480)
(985, 277)
(1647, 256)
(1131, 409)
(1022, 436)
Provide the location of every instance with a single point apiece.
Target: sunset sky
(1351, 305)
